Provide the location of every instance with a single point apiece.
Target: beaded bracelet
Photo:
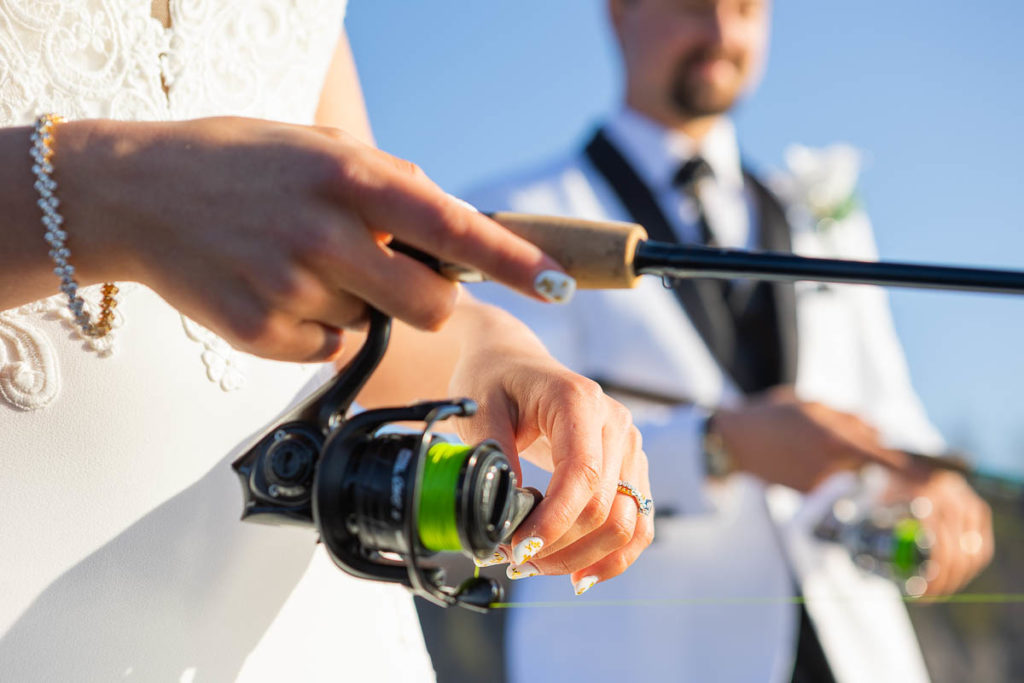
(42, 153)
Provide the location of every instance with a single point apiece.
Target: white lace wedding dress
(121, 553)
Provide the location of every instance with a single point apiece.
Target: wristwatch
(717, 461)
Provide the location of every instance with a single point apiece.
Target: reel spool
(383, 501)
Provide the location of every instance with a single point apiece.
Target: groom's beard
(693, 94)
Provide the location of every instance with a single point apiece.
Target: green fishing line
(955, 599)
(437, 525)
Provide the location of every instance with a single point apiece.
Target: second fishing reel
(381, 500)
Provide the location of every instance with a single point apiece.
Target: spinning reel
(383, 501)
(890, 541)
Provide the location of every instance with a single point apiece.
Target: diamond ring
(644, 504)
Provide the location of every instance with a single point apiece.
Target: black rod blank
(685, 261)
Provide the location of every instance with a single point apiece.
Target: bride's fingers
(317, 302)
(621, 443)
(614, 564)
(577, 475)
(343, 311)
(369, 270)
(302, 341)
(240, 316)
(617, 531)
(387, 191)
(501, 555)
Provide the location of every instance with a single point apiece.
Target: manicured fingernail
(554, 286)
(584, 584)
(498, 557)
(526, 548)
(464, 203)
(523, 571)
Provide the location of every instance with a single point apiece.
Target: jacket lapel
(774, 235)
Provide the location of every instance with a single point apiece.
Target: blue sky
(929, 91)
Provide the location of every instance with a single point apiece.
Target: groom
(748, 396)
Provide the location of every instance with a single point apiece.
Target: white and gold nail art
(523, 571)
(584, 584)
(498, 557)
(463, 202)
(555, 286)
(526, 548)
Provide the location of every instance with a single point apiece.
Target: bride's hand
(538, 410)
(272, 235)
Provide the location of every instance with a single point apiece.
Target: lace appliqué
(112, 59)
(29, 371)
(224, 365)
(29, 374)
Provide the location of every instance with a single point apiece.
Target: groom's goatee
(693, 95)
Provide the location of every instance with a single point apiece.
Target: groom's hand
(784, 440)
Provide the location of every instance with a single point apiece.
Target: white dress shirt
(657, 154)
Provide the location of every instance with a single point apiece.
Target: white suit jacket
(708, 600)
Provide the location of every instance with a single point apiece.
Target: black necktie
(687, 180)
(748, 305)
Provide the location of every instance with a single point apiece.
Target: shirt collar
(657, 152)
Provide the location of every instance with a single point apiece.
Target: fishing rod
(384, 501)
(614, 255)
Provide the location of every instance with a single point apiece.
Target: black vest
(756, 344)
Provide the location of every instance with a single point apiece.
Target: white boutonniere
(824, 181)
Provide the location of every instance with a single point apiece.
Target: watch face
(717, 461)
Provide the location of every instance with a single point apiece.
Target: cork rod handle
(599, 254)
